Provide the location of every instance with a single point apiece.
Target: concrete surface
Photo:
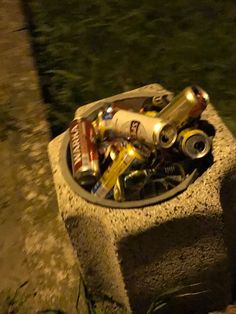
(134, 255)
(231, 309)
(38, 268)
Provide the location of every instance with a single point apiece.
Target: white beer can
(150, 130)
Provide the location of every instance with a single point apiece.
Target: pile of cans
(127, 154)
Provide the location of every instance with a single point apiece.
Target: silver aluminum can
(150, 130)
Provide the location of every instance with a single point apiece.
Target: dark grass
(90, 49)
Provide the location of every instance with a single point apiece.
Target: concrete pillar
(134, 255)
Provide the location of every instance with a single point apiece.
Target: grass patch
(91, 49)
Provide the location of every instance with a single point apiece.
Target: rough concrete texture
(135, 255)
(38, 269)
(231, 309)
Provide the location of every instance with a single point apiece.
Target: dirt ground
(37, 263)
(14, 272)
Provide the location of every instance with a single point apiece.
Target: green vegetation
(90, 49)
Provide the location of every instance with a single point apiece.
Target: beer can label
(100, 190)
(122, 162)
(135, 125)
(75, 145)
(83, 152)
(91, 136)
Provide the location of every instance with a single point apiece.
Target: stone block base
(134, 255)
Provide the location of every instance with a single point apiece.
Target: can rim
(186, 141)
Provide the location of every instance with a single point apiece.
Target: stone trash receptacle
(133, 255)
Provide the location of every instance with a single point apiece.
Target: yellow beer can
(124, 160)
(187, 105)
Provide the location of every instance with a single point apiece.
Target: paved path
(14, 271)
(38, 269)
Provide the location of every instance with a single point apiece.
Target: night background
(92, 49)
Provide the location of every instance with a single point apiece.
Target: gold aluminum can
(194, 143)
(187, 105)
(127, 156)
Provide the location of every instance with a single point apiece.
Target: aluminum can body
(152, 113)
(157, 102)
(194, 143)
(189, 104)
(119, 190)
(102, 124)
(127, 156)
(129, 185)
(138, 126)
(161, 101)
(84, 155)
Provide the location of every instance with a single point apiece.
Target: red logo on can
(134, 125)
(75, 144)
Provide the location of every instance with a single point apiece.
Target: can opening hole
(196, 89)
(88, 182)
(165, 138)
(199, 146)
(201, 95)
